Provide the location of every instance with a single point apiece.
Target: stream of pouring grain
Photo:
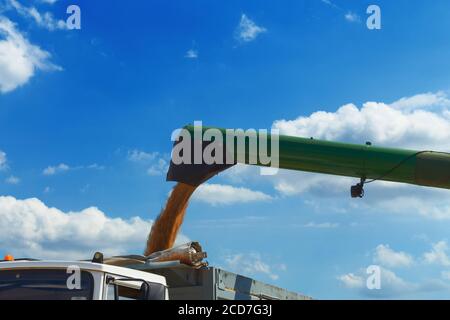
(165, 229)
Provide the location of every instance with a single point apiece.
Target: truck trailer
(129, 278)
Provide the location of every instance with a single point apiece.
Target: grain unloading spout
(194, 172)
(190, 254)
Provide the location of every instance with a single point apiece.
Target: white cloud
(159, 168)
(416, 126)
(393, 285)
(352, 281)
(251, 265)
(44, 20)
(95, 166)
(3, 161)
(323, 225)
(141, 156)
(219, 194)
(385, 256)
(191, 54)
(438, 254)
(352, 17)
(12, 180)
(48, 1)
(425, 202)
(240, 173)
(445, 275)
(62, 167)
(289, 183)
(247, 30)
(157, 163)
(331, 4)
(32, 229)
(19, 59)
(423, 100)
(52, 170)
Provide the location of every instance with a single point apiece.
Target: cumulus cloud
(423, 100)
(388, 257)
(426, 202)
(157, 164)
(19, 59)
(44, 19)
(252, 264)
(392, 285)
(352, 281)
(31, 228)
(219, 194)
(247, 30)
(438, 254)
(408, 122)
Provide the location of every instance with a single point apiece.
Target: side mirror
(144, 292)
(147, 291)
(152, 291)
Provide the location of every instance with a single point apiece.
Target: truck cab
(77, 280)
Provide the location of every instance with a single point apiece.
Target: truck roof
(84, 265)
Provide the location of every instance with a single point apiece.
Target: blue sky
(86, 117)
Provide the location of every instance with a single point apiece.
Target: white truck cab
(77, 280)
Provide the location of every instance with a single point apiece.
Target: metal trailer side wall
(216, 284)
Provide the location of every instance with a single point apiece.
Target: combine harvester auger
(366, 162)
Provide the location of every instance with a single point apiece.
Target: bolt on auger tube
(366, 162)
